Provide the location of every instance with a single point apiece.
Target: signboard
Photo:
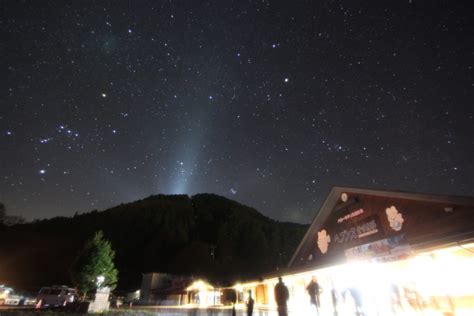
(363, 228)
(348, 231)
(364, 224)
(388, 249)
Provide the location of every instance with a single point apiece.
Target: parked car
(27, 300)
(13, 299)
(57, 295)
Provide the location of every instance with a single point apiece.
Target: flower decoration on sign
(394, 218)
(323, 241)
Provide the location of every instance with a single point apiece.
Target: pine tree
(94, 265)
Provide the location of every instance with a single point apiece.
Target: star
(190, 112)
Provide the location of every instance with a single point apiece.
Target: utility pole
(212, 250)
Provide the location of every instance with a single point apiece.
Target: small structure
(101, 302)
(164, 289)
(203, 294)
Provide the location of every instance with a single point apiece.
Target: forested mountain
(162, 233)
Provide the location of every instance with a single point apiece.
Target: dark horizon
(313, 215)
(153, 195)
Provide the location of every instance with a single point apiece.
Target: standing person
(281, 297)
(234, 301)
(334, 300)
(357, 297)
(314, 290)
(250, 303)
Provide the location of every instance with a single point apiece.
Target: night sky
(270, 103)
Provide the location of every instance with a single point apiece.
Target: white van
(56, 295)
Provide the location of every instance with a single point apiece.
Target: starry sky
(270, 103)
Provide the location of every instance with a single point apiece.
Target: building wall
(150, 281)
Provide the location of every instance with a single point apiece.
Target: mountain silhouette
(205, 235)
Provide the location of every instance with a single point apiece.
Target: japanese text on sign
(357, 232)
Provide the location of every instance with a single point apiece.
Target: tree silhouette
(2, 212)
(94, 265)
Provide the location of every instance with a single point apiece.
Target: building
(164, 289)
(381, 253)
(175, 290)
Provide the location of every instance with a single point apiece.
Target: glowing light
(239, 287)
(441, 277)
(205, 293)
(42, 171)
(199, 285)
(286, 79)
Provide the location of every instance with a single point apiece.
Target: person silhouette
(314, 291)
(250, 303)
(233, 299)
(281, 297)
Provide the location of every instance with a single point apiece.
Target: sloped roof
(333, 204)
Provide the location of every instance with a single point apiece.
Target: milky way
(268, 103)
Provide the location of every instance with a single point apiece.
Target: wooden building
(382, 253)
